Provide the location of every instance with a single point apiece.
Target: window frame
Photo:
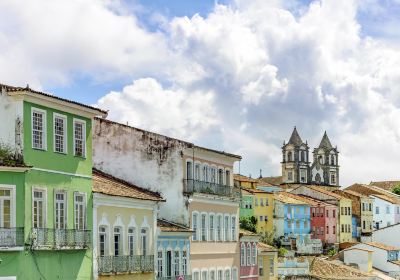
(44, 127)
(104, 233)
(44, 199)
(195, 222)
(83, 122)
(65, 135)
(85, 210)
(13, 213)
(65, 201)
(131, 238)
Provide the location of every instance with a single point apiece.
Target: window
(177, 258)
(228, 178)
(327, 229)
(332, 160)
(242, 254)
(327, 214)
(197, 172)
(261, 202)
(363, 206)
(212, 274)
(363, 224)
(303, 175)
(79, 138)
(266, 202)
(256, 201)
(5, 208)
(233, 226)
(39, 208)
(234, 273)
(131, 242)
(254, 254)
(213, 175)
(205, 173)
(80, 211)
(117, 241)
(60, 132)
(196, 275)
(334, 213)
(387, 209)
(370, 207)
(38, 129)
(260, 267)
(342, 210)
(220, 275)
(313, 212)
(271, 266)
(60, 210)
(194, 226)
(211, 226)
(102, 241)
(189, 170)
(228, 274)
(160, 264)
(219, 228)
(226, 228)
(203, 227)
(143, 241)
(261, 218)
(289, 156)
(377, 210)
(248, 254)
(184, 262)
(290, 175)
(220, 176)
(334, 230)
(342, 228)
(204, 275)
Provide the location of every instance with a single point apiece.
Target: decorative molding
(62, 173)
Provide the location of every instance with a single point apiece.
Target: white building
(293, 266)
(385, 211)
(384, 257)
(387, 235)
(361, 257)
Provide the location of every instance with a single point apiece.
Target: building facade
(246, 204)
(124, 229)
(196, 182)
(51, 227)
(263, 210)
(267, 262)
(248, 255)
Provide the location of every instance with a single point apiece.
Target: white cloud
(237, 79)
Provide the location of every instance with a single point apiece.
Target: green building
(246, 205)
(45, 186)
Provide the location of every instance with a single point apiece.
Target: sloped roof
(265, 247)
(324, 191)
(324, 269)
(311, 201)
(168, 226)
(107, 184)
(387, 198)
(354, 193)
(385, 185)
(242, 178)
(325, 142)
(9, 88)
(285, 198)
(382, 246)
(273, 181)
(295, 138)
(243, 232)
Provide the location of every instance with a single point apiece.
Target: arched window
(289, 156)
(194, 226)
(102, 241)
(226, 228)
(184, 262)
(332, 160)
(177, 257)
(203, 225)
(233, 227)
(302, 156)
(248, 254)
(144, 241)
(254, 254)
(219, 228)
(211, 226)
(117, 241)
(189, 170)
(160, 264)
(131, 241)
(227, 274)
(318, 178)
(242, 254)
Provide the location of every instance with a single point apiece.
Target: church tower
(295, 163)
(325, 167)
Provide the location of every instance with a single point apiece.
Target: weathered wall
(146, 159)
(11, 115)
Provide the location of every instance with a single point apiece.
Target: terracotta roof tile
(168, 226)
(324, 269)
(382, 246)
(386, 185)
(273, 181)
(266, 248)
(324, 191)
(110, 185)
(283, 197)
(243, 178)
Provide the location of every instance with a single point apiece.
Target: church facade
(298, 169)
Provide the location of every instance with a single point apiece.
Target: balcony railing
(196, 186)
(125, 264)
(11, 237)
(180, 277)
(60, 239)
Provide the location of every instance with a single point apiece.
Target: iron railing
(196, 186)
(125, 264)
(11, 237)
(178, 277)
(60, 239)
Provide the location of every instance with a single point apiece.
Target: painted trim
(44, 140)
(62, 173)
(100, 199)
(13, 201)
(44, 190)
(65, 118)
(65, 192)
(212, 199)
(86, 208)
(14, 169)
(83, 122)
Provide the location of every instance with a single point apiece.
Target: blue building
(173, 250)
(356, 229)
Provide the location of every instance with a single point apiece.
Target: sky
(232, 75)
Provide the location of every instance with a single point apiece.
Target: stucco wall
(146, 159)
(387, 235)
(359, 257)
(10, 112)
(382, 217)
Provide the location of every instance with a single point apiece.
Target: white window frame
(44, 126)
(211, 227)
(65, 135)
(13, 212)
(227, 228)
(147, 243)
(105, 233)
(44, 190)
(254, 254)
(83, 122)
(227, 274)
(185, 263)
(233, 228)
(234, 273)
(242, 254)
(196, 272)
(120, 240)
(132, 241)
(203, 228)
(85, 209)
(177, 262)
(248, 254)
(220, 225)
(195, 221)
(65, 208)
(160, 263)
(204, 272)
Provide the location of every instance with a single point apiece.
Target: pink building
(248, 255)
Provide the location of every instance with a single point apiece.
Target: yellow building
(124, 229)
(267, 262)
(263, 210)
(345, 223)
(244, 182)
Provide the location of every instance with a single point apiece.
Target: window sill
(81, 157)
(61, 153)
(38, 149)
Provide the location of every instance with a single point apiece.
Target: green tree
(396, 189)
(248, 223)
(282, 252)
(268, 238)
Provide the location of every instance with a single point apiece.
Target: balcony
(125, 264)
(180, 277)
(60, 239)
(195, 186)
(11, 238)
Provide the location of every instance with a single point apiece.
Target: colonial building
(45, 185)
(296, 168)
(197, 183)
(124, 229)
(246, 204)
(248, 255)
(267, 262)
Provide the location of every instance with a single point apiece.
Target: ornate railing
(180, 277)
(60, 239)
(125, 264)
(193, 186)
(11, 237)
